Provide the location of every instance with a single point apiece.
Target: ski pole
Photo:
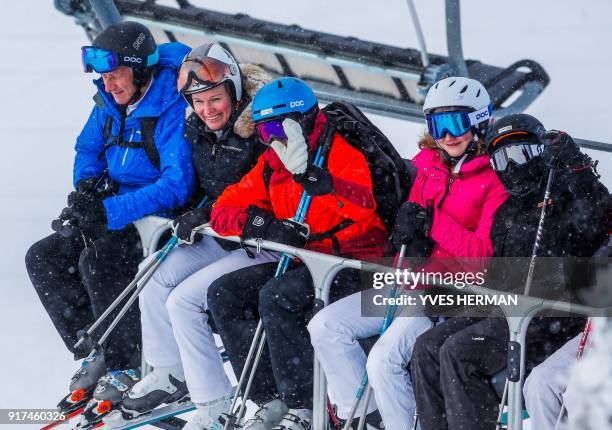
(501, 406)
(532, 263)
(259, 338)
(583, 340)
(148, 270)
(364, 386)
(536, 244)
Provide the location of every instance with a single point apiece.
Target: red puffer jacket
(464, 206)
(351, 200)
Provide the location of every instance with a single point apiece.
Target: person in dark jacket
(452, 363)
(132, 160)
(177, 339)
(341, 219)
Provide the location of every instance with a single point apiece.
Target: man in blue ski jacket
(132, 160)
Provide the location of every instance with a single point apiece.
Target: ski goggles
(456, 123)
(271, 129)
(519, 153)
(199, 75)
(103, 60)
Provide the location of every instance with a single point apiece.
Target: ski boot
(83, 383)
(296, 419)
(267, 416)
(109, 392)
(208, 413)
(161, 385)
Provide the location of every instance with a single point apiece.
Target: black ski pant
(285, 305)
(76, 284)
(451, 368)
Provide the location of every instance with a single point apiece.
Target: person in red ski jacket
(340, 220)
(446, 223)
(349, 210)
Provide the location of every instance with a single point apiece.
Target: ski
(115, 421)
(67, 417)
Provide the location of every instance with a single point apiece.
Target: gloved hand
(87, 208)
(101, 187)
(412, 228)
(64, 223)
(185, 226)
(263, 225)
(315, 180)
(560, 150)
(294, 155)
(87, 185)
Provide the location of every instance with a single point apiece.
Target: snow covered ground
(45, 99)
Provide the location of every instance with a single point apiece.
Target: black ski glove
(560, 150)
(87, 208)
(101, 187)
(263, 225)
(65, 223)
(315, 180)
(412, 228)
(185, 226)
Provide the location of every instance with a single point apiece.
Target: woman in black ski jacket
(177, 339)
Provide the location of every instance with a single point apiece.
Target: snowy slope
(45, 99)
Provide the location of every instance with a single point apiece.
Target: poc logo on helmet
(296, 103)
(132, 60)
(138, 42)
(481, 115)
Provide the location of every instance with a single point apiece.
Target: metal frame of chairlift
(346, 63)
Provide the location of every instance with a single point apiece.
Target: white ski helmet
(456, 91)
(206, 67)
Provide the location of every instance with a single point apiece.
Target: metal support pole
(106, 12)
(419, 33)
(323, 271)
(453, 38)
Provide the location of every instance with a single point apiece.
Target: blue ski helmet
(283, 96)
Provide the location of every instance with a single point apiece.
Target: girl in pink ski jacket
(463, 199)
(447, 221)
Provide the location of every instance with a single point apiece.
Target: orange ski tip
(104, 407)
(78, 395)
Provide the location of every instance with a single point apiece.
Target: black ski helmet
(509, 129)
(527, 178)
(135, 47)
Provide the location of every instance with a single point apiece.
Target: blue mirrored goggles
(456, 123)
(103, 60)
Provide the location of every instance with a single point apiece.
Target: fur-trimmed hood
(253, 78)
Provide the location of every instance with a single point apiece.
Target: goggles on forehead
(519, 153)
(103, 60)
(457, 123)
(199, 75)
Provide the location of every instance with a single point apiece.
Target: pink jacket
(464, 206)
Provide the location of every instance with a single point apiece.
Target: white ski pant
(175, 328)
(546, 386)
(334, 332)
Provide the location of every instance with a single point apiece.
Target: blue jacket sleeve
(173, 188)
(89, 145)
